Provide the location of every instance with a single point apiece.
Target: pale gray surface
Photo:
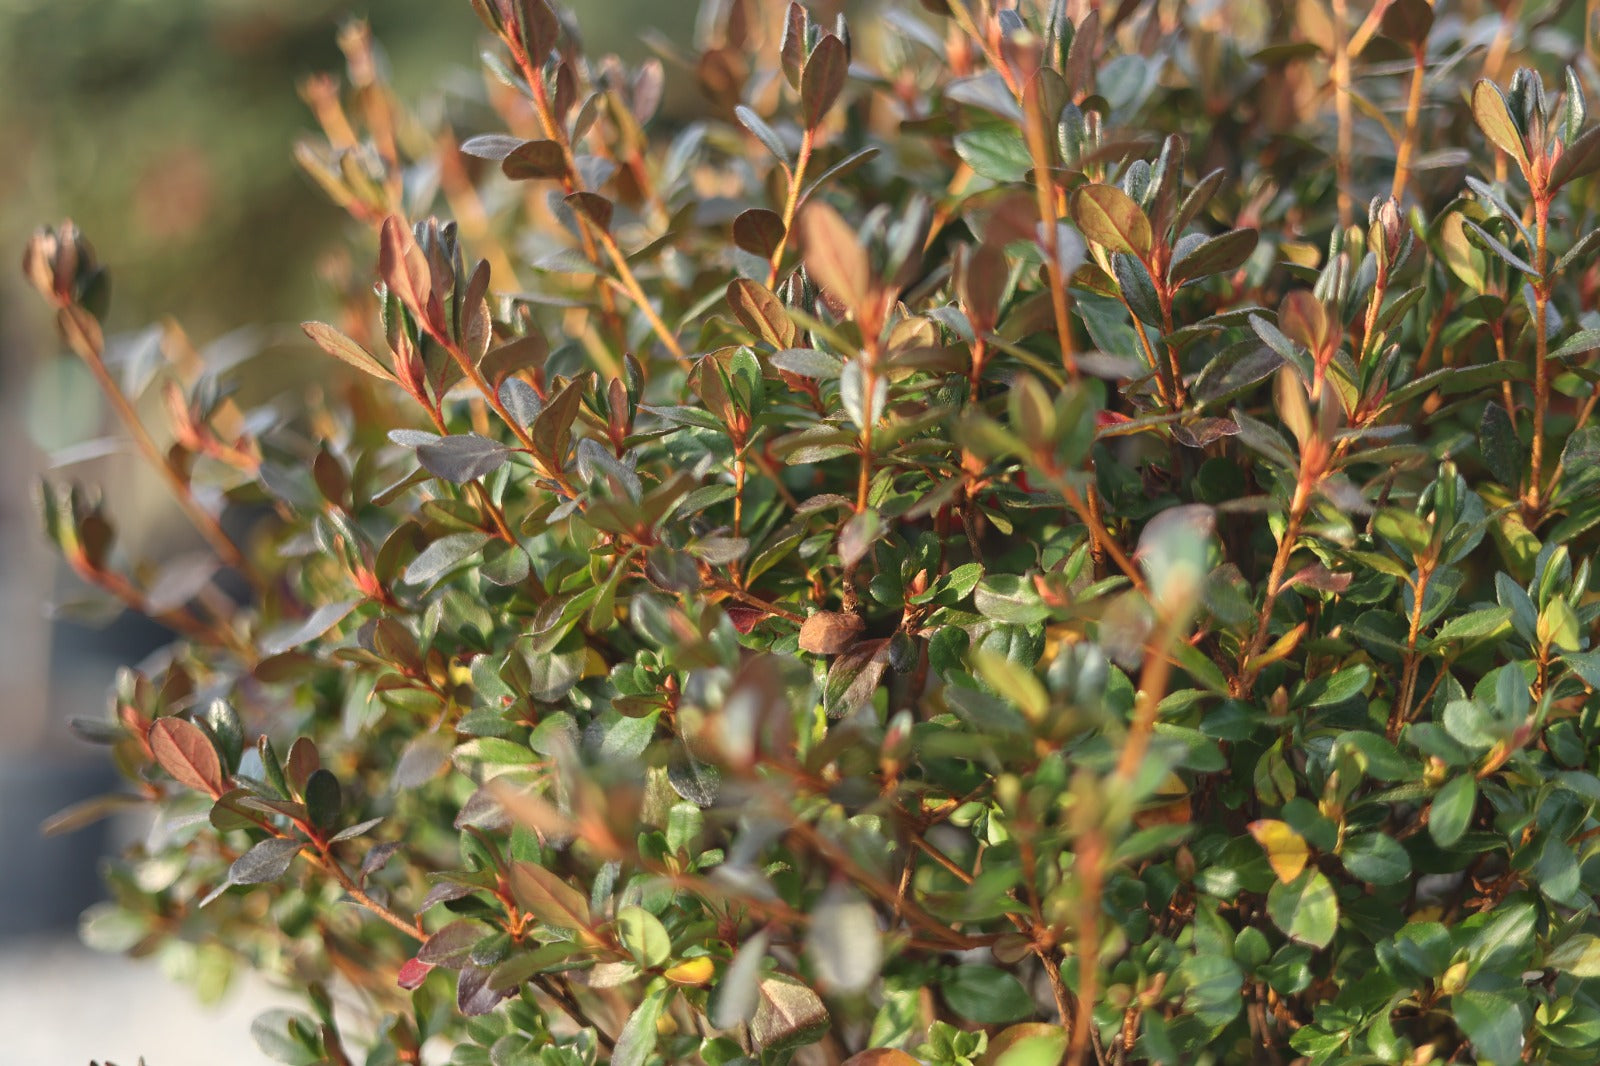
(64, 1005)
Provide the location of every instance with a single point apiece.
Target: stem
(1044, 188)
(792, 204)
(1280, 563)
(964, 19)
(1408, 678)
(1098, 534)
(569, 178)
(83, 334)
(1341, 106)
(1499, 331)
(1501, 45)
(869, 386)
(1164, 382)
(324, 859)
(181, 621)
(1089, 854)
(630, 285)
(1180, 395)
(570, 1006)
(1152, 688)
(1408, 142)
(1541, 372)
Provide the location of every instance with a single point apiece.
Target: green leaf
(1305, 909)
(442, 555)
(323, 798)
(1495, 245)
(1493, 1022)
(1108, 216)
(1451, 810)
(1493, 114)
(1497, 440)
(1577, 956)
(1009, 598)
(1335, 688)
(1473, 626)
(637, 1041)
(1212, 985)
(764, 133)
(808, 363)
(985, 994)
(1217, 255)
(644, 936)
(1375, 858)
(995, 152)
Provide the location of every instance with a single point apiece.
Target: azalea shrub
(996, 533)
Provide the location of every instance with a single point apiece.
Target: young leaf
(343, 348)
(822, 79)
(764, 133)
(1493, 114)
(834, 256)
(644, 936)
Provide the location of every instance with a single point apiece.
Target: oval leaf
(184, 751)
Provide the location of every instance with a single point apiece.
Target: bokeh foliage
(1016, 534)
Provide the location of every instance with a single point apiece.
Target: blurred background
(164, 128)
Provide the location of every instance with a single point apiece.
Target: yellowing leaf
(691, 971)
(1286, 850)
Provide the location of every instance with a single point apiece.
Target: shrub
(1007, 538)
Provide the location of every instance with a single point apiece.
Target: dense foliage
(1023, 534)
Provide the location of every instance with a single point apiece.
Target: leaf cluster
(1017, 534)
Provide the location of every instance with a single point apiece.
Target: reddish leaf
(822, 79)
(531, 160)
(834, 256)
(830, 632)
(547, 897)
(412, 974)
(403, 267)
(343, 348)
(761, 312)
(745, 619)
(184, 752)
